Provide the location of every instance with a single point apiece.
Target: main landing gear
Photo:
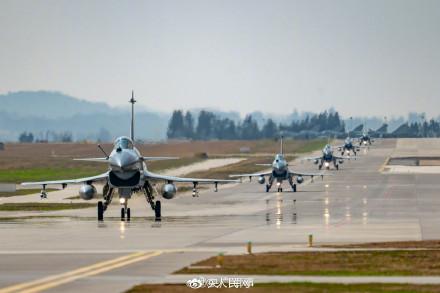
(155, 206)
(268, 186)
(107, 193)
(292, 184)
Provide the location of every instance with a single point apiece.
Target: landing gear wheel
(337, 167)
(122, 214)
(267, 188)
(281, 190)
(157, 211)
(128, 214)
(294, 187)
(342, 153)
(320, 167)
(100, 211)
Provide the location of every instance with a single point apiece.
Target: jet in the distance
(348, 146)
(280, 172)
(128, 173)
(365, 138)
(327, 158)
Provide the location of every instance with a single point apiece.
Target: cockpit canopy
(279, 158)
(124, 143)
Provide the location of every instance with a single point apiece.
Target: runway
(70, 251)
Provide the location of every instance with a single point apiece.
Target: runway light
(249, 247)
(219, 260)
(122, 200)
(326, 186)
(365, 186)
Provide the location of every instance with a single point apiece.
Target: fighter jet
(365, 138)
(280, 172)
(128, 173)
(327, 158)
(348, 146)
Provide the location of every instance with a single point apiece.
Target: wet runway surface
(70, 251)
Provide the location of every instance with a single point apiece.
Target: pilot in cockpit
(123, 143)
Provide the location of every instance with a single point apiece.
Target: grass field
(35, 206)
(294, 287)
(340, 263)
(23, 192)
(38, 162)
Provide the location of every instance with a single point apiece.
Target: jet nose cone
(123, 161)
(279, 166)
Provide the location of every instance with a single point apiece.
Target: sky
(369, 58)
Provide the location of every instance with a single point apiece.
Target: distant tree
(205, 125)
(249, 129)
(270, 129)
(188, 124)
(103, 135)
(65, 136)
(176, 127)
(25, 137)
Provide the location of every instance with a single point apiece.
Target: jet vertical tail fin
(132, 101)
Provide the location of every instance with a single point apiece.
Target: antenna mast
(132, 101)
(281, 144)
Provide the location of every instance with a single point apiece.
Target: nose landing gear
(125, 212)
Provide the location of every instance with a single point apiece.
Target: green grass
(35, 206)
(38, 174)
(23, 192)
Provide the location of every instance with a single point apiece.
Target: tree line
(416, 129)
(209, 126)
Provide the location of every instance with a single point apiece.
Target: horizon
(143, 108)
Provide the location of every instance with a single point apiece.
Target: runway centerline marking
(67, 277)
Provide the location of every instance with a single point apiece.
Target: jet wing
(308, 174)
(313, 158)
(65, 182)
(158, 158)
(252, 175)
(180, 179)
(345, 158)
(93, 159)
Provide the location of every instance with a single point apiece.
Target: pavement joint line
(384, 164)
(59, 279)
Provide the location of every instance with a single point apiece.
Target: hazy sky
(362, 57)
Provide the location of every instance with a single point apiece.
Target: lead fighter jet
(280, 172)
(128, 173)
